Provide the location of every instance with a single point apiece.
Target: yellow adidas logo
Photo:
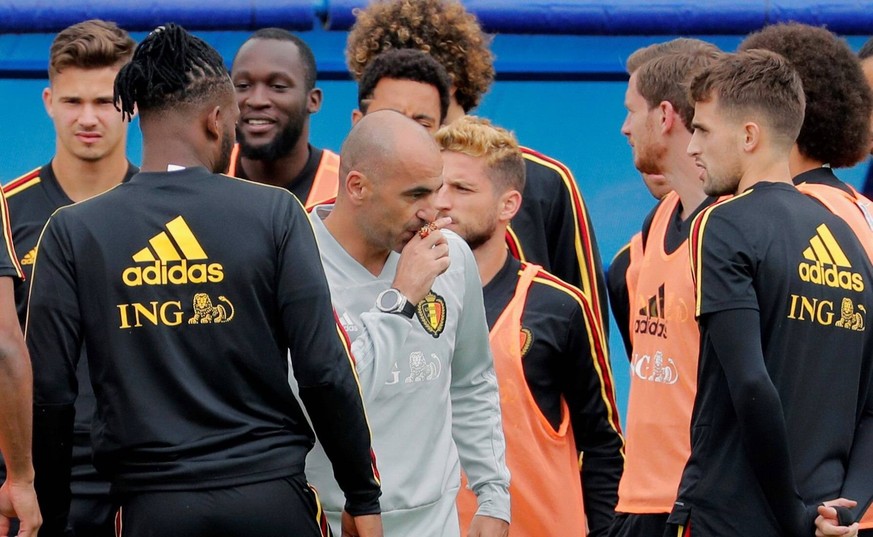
(824, 250)
(30, 257)
(168, 255)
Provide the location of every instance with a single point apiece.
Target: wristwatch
(392, 301)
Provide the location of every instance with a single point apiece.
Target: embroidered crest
(526, 340)
(431, 312)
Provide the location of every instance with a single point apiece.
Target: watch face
(389, 300)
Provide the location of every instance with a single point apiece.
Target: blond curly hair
(442, 28)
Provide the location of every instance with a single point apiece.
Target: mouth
(88, 137)
(257, 125)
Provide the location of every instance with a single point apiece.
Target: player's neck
(684, 176)
(765, 170)
(346, 231)
(82, 179)
(282, 171)
(799, 163)
(491, 255)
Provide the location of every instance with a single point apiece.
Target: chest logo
(826, 264)
(526, 340)
(431, 313)
(422, 369)
(205, 312)
(29, 258)
(174, 256)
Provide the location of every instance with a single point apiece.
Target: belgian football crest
(526, 340)
(431, 312)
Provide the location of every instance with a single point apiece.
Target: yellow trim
(697, 256)
(584, 259)
(24, 186)
(613, 420)
(620, 251)
(521, 256)
(7, 235)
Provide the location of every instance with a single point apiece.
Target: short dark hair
(680, 45)
(405, 64)
(442, 28)
(836, 127)
(91, 44)
(170, 68)
(866, 50)
(753, 84)
(279, 34)
(666, 78)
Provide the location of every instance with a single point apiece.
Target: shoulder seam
(22, 182)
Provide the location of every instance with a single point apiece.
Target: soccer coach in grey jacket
(410, 300)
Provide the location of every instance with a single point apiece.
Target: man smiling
(274, 76)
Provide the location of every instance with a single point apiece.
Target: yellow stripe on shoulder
(22, 183)
(696, 257)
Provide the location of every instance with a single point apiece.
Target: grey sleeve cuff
(493, 501)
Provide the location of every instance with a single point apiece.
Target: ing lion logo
(205, 312)
(421, 369)
(851, 319)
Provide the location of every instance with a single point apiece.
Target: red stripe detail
(347, 342)
(10, 247)
(21, 180)
(583, 225)
(118, 525)
(512, 245)
(601, 358)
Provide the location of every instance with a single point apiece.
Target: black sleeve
(587, 388)
(322, 363)
(759, 412)
(619, 301)
(573, 251)
(53, 340)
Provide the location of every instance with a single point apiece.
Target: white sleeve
(476, 421)
(375, 349)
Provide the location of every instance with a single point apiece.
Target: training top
(663, 372)
(568, 387)
(430, 390)
(9, 265)
(774, 443)
(33, 198)
(553, 229)
(316, 183)
(189, 290)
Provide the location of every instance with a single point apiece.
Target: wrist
(392, 300)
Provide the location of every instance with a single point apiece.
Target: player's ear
(667, 116)
(356, 116)
(357, 187)
(212, 123)
(510, 203)
(47, 100)
(313, 100)
(751, 136)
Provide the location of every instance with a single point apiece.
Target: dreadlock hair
(169, 68)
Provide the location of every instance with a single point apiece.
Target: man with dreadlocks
(189, 289)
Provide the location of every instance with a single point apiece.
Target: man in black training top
(189, 289)
(89, 158)
(783, 295)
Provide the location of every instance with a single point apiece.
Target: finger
(442, 221)
(843, 502)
